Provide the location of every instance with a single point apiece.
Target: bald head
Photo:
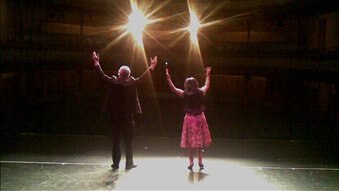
(124, 72)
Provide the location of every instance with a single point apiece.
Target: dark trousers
(122, 127)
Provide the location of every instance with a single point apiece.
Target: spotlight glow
(194, 26)
(220, 174)
(137, 21)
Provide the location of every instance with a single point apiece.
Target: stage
(81, 162)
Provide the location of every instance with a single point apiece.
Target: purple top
(194, 102)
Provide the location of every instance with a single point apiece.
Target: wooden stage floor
(69, 162)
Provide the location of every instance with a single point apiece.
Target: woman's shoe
(201, 167)
(190, 167)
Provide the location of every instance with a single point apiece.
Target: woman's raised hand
(167, 73)
(95, 58)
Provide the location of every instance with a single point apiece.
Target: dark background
(274, 67)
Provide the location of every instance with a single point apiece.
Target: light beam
(137, 21)
(194, 26)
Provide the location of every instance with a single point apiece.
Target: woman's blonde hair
(191, 84)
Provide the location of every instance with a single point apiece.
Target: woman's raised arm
(205, 88)
(176, 90)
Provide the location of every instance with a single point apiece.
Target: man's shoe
(190, 167)
(115, 167)
(130, 166)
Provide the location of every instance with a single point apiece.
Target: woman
(195, 131)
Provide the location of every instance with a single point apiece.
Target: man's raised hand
(154, 62)
(208, 71)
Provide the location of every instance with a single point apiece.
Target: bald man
(122, 104)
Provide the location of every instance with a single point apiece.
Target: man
(123, 104)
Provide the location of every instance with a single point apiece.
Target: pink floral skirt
(195, 132)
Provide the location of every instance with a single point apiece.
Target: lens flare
(194, 26)
(137, 21)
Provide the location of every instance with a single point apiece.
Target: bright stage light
(194, 26)
(137, 22)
